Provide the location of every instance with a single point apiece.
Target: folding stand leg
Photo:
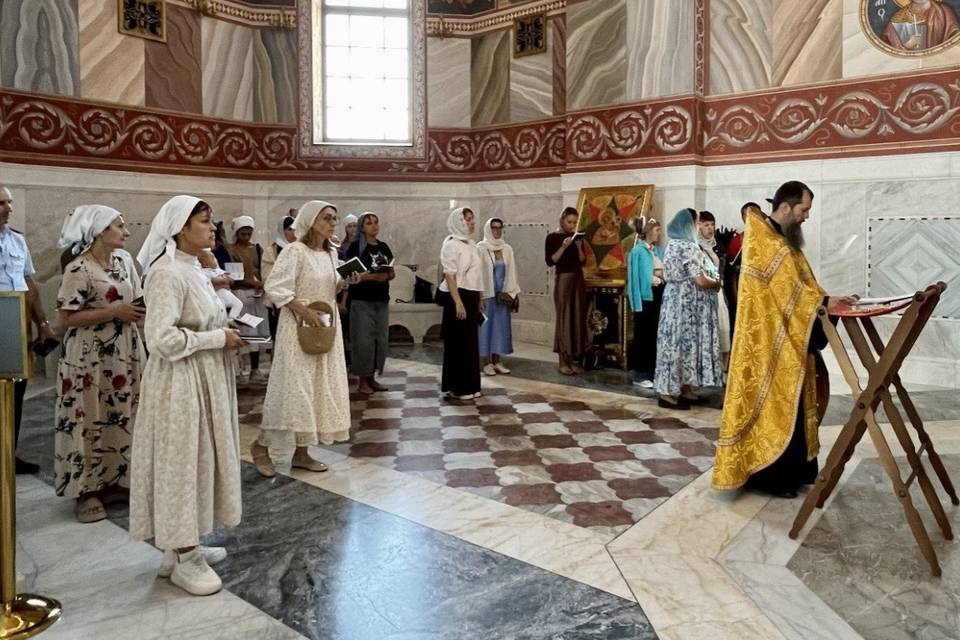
(900, 429)
(914, 416)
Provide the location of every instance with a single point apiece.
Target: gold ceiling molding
(279, 17)
(465, 26)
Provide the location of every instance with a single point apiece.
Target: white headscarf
(84, 224)
(281, 238)
(239, 223)
(489, 242)
(307, 215)
(457, 226)
(348, 220)
(166, 224)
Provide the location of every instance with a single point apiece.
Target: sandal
(308, 463)
(567, 371)
(261, 460)
(90, 509)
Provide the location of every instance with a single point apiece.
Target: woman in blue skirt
(501, 297)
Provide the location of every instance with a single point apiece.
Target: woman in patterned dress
(688, 343)
(98, 377)
(307, 395)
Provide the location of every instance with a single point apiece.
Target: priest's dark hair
(791, 193)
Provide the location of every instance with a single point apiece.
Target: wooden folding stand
(882, 373)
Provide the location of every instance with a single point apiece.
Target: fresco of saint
(921, 24)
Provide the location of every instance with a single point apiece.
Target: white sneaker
(501, 369)
(489, 370)
(212, 555)
(646, 384)
(194, 575)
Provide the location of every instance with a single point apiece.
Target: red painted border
(904, 114)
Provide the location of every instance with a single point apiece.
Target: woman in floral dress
(99, 372)
(688, 343)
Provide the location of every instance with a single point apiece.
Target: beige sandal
(261, 460)
(309, 464)
(90, 509)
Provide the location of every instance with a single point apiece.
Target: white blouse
(461, 259)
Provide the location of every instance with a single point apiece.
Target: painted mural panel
(911, 27)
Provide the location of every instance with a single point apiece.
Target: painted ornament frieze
(911, 28)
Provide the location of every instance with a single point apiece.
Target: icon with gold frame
(606, 222)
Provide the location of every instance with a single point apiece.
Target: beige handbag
(318, 340)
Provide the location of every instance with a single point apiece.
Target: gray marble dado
(531, 86)
(862, 560)
(596, 48)
(448, 82)
(490, 78)
(659, 48)
(39, 41)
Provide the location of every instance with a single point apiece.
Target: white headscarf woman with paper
(186, 452)
(307, 398)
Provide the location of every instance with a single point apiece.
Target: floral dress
(98, 379)
(688, 340)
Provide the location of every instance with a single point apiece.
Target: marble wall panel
(741, 45)
(111, 64)
(531, 89)
(558, 52)
(174, 79)
(39, 45)
(227, 63)
(490, 78)
(659, 48)
(275, 76)
(596, 50)
(448, 82)
(807, 41)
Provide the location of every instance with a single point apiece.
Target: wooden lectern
(882, 372)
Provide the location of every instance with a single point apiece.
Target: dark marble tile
(331, 568)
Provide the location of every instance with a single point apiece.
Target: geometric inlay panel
(908, 254)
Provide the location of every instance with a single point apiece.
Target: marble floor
(443, 520)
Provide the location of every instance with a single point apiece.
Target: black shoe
(682, 405)
(787, 494)
(26, 468)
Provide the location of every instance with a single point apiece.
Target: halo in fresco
(911, 28)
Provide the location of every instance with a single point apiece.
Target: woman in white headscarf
(186, 453)
(283, 237)
(501, 293)
(460, 293)
(348, 237)
(98, 376)
(307, 399)
(242, 249)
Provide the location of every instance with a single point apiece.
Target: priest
(768, 432)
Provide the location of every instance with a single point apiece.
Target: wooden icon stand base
(882, 372)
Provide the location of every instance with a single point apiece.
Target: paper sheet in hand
(256, 340)
(350, 267)
(234, 270)
(249, 320)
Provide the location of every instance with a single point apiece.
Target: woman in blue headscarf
(688, 344)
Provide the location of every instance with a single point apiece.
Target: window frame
(312, 84)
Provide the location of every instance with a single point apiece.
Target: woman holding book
(307, 395)
(369, 303)
(98, 377)
(563, 251)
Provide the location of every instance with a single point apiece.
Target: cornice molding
(241, 13)
(467, 26)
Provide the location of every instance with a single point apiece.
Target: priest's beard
(794, 235)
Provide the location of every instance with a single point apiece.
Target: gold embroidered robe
(770, 366)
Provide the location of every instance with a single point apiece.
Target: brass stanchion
(24, 615)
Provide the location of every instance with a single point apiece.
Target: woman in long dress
(186, 454)
(564, 252)
(461, 291)
(250, 291)
(98, 376)
(688, 340)
(307, 395)
(499, 281)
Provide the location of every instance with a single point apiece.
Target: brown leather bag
(318, 340)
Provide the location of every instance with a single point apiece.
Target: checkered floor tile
(593, 466)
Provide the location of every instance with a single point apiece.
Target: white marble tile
(448, 82)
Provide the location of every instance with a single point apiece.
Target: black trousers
(645, 324)
(461, 345)
(792, 468)
(19, 390)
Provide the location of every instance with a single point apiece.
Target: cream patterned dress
(306, 394)
(186, 455)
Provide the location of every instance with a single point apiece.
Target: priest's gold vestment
(770, 367)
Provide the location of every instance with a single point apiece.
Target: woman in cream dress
(307, 395)
(186, 457)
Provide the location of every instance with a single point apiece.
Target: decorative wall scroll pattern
(907, 110)
(701, 45)
(631, 132)
(143, 19)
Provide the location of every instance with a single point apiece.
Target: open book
(350, 267)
